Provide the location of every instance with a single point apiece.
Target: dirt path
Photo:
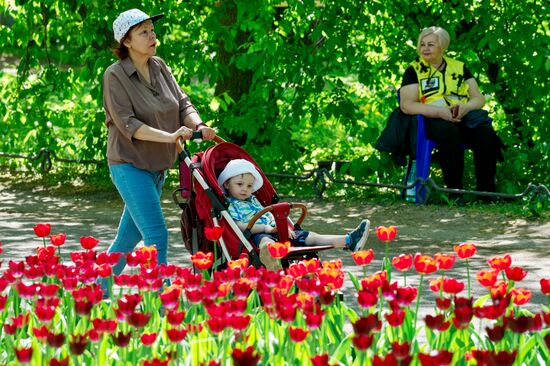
(426, 229)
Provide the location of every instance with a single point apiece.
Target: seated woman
(445, 92)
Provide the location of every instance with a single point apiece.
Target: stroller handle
(197, 136)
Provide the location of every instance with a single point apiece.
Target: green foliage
(293, 84)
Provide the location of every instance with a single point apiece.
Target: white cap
(237, 167)
(128, 19)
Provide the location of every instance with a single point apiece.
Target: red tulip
(403, 262)
(465, 250)
(362, 341)
(148, 338)
(58, 239)
(363, 257)
(452, 286)
(23, 354)
(202, 260)
(500, 263)
(395, 318)
(320, 360)
(61, 362)
(176, 335)
(515, 273)
(156, 362)
(442, 357)
(213, 233)
(278, 250)
(88, 242)
(545, 286)
(42, 230)
(297, 334)
(386, 233)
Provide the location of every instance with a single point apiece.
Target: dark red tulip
(362, 341)
(246, 357)
(78, 344)
(121, 339)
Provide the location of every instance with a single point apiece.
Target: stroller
(204, 205)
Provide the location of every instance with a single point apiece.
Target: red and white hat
(128, 19)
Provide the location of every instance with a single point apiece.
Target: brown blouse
(130, 101)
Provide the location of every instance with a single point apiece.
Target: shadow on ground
(426, 229)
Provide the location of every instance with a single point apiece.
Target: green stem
(468, 273)
(418, 302)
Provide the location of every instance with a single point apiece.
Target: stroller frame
(191, 177)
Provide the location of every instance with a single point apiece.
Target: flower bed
(53, 313)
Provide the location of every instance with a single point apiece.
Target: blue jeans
(142, 218)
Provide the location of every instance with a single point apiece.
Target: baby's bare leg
(338, 241)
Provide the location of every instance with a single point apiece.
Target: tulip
(213, 233)
(465, 250)
(487, 278)
(78, 344)
(202, 261)
(41, 231)
(363, 257)
(176, 335)
(88, 242)
(386, 234)
(58, 239)
(545, 286)
(444, 261)
(297, 334)
(23, 354)
(520, 296)
(148, 338)
(500, 263)
(515, 273)
(246, 357)
(278, 250)
(362, 341)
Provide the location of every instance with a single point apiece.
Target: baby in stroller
(239, 180)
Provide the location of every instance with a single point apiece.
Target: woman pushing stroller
(239, 180)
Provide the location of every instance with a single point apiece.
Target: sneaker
(270, 263)
(358, 237)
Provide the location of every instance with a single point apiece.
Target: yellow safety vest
(434, 85)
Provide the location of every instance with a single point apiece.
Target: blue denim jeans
(142, 218)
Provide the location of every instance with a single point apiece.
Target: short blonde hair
(443, 38)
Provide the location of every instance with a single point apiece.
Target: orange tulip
(445, 261)
(465, 250)
(278, 250)
(487, 278)
(241, 263)
(520, 296)
(202, 260)
(424, 264)
(500, 263)
(363, 257)
(386, 233)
